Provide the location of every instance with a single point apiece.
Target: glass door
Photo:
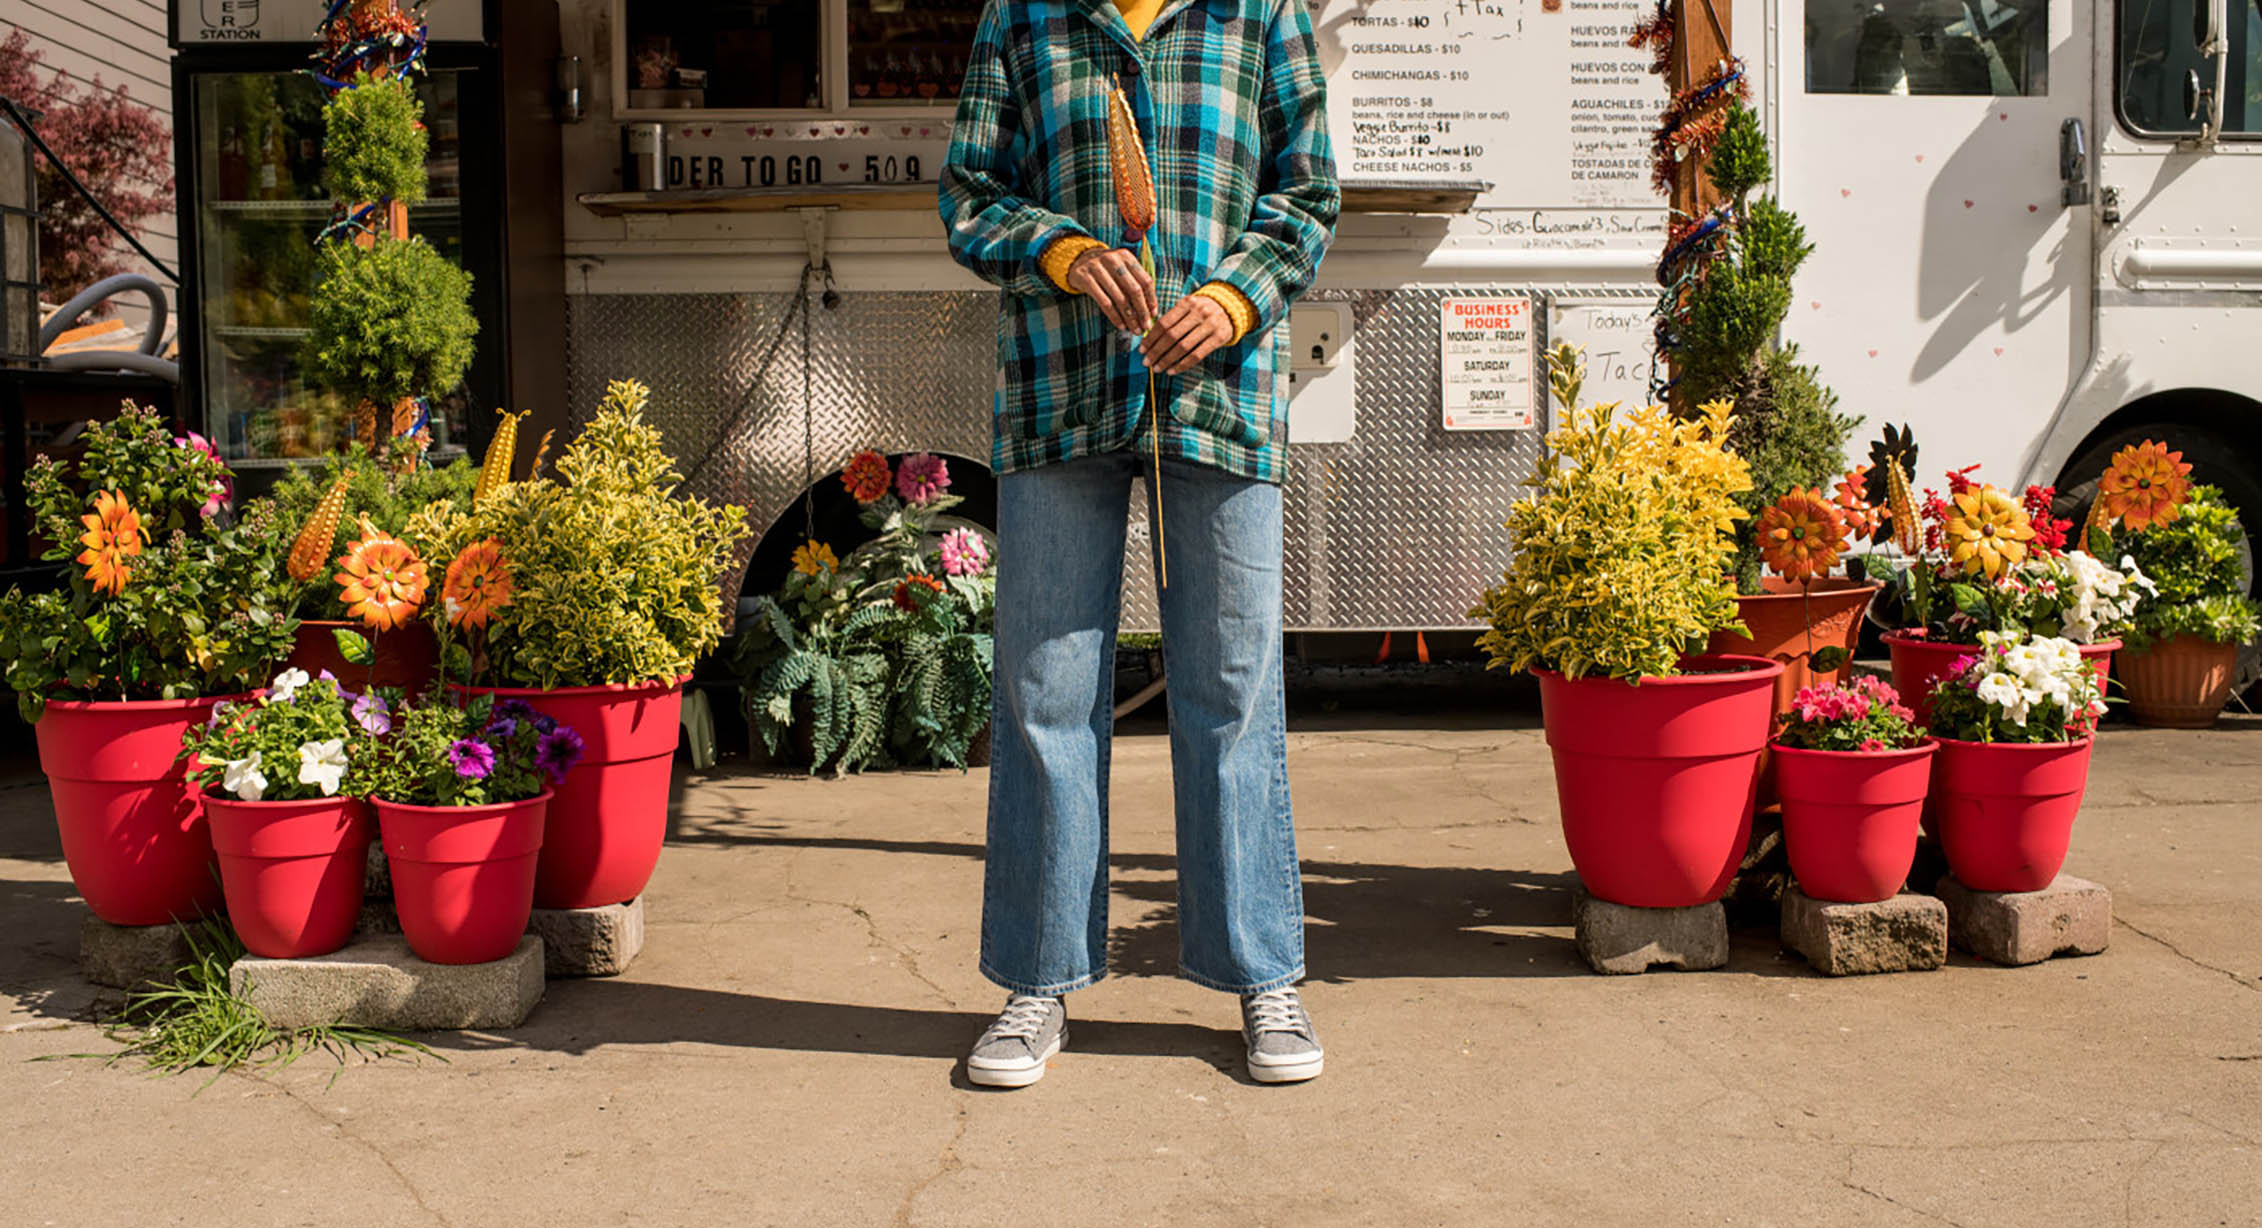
(260, 205)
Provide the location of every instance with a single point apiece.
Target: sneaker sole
(1016, 1076)
(1293, 1072)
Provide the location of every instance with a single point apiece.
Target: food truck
(2032, 221)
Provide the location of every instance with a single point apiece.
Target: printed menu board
(1544, 99)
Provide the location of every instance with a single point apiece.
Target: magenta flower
(964, 553)
(224, 488)
(472, 759)
(558, 751)
(921, 477)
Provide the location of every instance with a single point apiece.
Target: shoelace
(1023, 1018)
(1278, 1010)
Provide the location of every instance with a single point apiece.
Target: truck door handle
(2073, 163)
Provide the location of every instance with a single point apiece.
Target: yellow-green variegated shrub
(615, 576)
(1624, 551)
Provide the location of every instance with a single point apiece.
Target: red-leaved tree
(122, 151)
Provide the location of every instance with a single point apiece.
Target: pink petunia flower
(224, 488)
(921, 478)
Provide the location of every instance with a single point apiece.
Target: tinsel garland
(1657, 33)
(353, 42)
(1693, 121)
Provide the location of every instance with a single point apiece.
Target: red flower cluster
(867, 476)
(1936, 515)
(907, 591)
(1849, 703)
(1959, 480)
(2049, 532)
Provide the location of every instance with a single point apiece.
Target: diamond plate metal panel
(1398, 528)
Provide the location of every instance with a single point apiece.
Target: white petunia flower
(323, 763)
(242, 778)
(286, 685)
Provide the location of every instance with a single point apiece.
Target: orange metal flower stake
(1800, 538)
(1135, 201)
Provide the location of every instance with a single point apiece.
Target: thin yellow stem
(1154, 420)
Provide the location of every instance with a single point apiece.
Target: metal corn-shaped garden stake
(502, 452)
(310, 552)
(1135, 200)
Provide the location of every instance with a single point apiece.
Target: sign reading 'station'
(1542, 98)
(1485, 352)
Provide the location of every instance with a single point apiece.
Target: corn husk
(310, 553)
(1127, 163)
(1908, 532)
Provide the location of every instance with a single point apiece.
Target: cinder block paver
(591, 941)
(1908, 933)
(378, 983)
(2071, 916)
(131, 956)
(1619, 939)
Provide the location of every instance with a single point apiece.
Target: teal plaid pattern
(1232, 106)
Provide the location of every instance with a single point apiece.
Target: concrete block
(590, 941)
(378, 883)
(1908, 933)
(1618, 939)
(2071, 916)
(377, 983)
(131, 956)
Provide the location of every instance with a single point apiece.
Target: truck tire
(2215, 460)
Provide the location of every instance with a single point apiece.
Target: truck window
(1992, 48)
(709, 54)
(2158, 52)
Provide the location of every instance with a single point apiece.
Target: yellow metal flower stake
(1135, 201)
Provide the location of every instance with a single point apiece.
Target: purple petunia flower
(370, 712)
(472, 759)
(558, 751)
(544, 723)
(511, 710)
(503, 727)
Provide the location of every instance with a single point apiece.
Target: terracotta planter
(2006, 810)
(407, 658)
(1780, 620)
(2181, 683)
(133, 830)
(611, 814)
(1850, 818)
(1655, 782)
(1919, 662)
(293, 871)
(463, 876)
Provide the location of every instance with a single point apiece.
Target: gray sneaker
(1014, 1050)
(1283, 1048)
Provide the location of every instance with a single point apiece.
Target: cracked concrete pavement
(786, 1050)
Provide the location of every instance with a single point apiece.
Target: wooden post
(1701, 44)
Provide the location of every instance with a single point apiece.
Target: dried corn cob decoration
(1908, 532)
(495, 469)
(1127, 162)
(310, 552)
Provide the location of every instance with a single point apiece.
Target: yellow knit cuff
(1060, 256)
(1237, 306)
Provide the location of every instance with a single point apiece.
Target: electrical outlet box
(1317, 333)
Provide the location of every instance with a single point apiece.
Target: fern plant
(828, 675)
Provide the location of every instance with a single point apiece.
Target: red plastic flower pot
(2006, 810)
(293, 871)
(407, 657)
(133, 829)
(1655, 781)
(1790, 625)
(611, 816)
(1920, 662)
(463, 876)
(1850, 818)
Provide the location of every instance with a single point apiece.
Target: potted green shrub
(885, 658)
(2015, 720)
(1730, 287)
(2183, 643)
(282, 777)
(166, 607)
(463, 794)
(1852, 767)
(1620, 572)
(589, 595)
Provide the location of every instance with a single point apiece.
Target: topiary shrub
(375, 142)
(390, 321)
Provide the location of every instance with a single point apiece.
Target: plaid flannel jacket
(1231, 104)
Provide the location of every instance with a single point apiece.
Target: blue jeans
(1061, 530)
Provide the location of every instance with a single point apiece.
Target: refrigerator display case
(248, 147)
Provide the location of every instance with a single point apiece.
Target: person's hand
(1192, 330)
(1114, 280)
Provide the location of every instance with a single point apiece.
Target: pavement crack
(2243, 982)
(341, 1129)
(877, 937)
(946, 1163)
(1858, 1188)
